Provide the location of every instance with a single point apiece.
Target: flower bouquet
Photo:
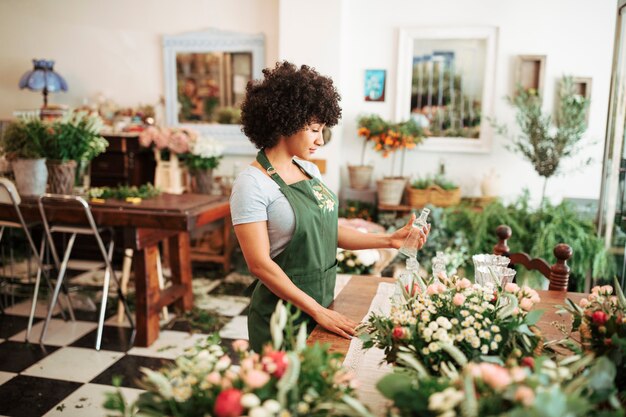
(288, 378)
(600, 320)
(359, 262)
(204, 155)
(446, 322)
(168, 143)
(532, 387)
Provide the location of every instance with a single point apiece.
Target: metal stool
(73, 230)
(9, 195)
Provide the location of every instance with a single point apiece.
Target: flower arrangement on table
(177, 140)
(600, 320)
(288, 378)
(358, 262)
(530, 387)
(447, 321)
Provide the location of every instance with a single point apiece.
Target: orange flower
(364, 132)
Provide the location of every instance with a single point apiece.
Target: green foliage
(228, 115)
(197, 163)
(75, 137)
(24, 139)
(355, 209)
(438, 180)
(463, 231)
(544, 143)
(124, 191)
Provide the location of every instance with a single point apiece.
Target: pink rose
(595, 290)
(241, 345)
(511, 287)
(214, 378)
(495, 376)
(463, 284)
(526, 304)
(525, 396)
(228, 403)
(255, 378)
(518, 374)
(458, 299)
(583, 303)
(437, 288)
(399, 333)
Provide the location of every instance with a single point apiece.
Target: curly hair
(285, 101)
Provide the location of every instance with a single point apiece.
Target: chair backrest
(8, 192)
(557, 274)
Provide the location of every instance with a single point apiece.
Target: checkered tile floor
(67, 377)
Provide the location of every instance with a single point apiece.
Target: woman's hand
(398, 237)
(335, 322)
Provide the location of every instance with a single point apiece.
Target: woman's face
(304, 143)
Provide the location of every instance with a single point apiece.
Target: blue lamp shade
(43, 78)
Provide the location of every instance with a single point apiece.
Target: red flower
(228, 403)
(398, 332)
(528, 362)
(275, 363)
(599, 317)
(495, 297)
(414, 292)
(607, 342)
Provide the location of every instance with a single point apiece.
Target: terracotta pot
(61, 176)
(31, 176)
(360, 176)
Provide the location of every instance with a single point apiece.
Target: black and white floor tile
(65, 376)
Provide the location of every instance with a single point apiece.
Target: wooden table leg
(180, 264)
(147, 295)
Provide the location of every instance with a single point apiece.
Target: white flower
(350, 263)
(368, 257)
(272, 406)
(341, 257)
(303, 407)
(250, 400)
(207, 147)
(259, 412)
(182, 393)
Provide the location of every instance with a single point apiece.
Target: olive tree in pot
(22, 144)
(74, 139)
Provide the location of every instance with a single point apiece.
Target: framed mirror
(205, 81)
(445, 83)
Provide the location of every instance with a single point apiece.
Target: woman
(285, 218)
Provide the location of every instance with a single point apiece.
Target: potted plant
(388, 138)
(545, 141)
(73, 139)
(204, 156)
(361, 175)
(22, 146)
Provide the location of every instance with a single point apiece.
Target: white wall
(577, 37)
(113, 47)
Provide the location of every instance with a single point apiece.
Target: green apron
(309, 259)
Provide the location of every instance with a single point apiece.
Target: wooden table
(354, 302)
(144, 225)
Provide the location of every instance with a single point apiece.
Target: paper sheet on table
(366, 364)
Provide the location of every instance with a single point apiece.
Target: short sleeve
(248, 204)
(311, 168)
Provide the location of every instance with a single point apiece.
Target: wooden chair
(557, 274)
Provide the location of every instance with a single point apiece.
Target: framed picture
(206, 74)
(530, 73)
(374, 87)
(445, 83)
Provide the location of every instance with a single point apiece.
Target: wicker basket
(390, 191)
(360, 176)
(434, 195)
(444, 198)
(418, 198)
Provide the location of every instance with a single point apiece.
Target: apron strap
(265, 163)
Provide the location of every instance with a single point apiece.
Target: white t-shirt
(257, 198)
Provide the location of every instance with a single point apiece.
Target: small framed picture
(374, 88)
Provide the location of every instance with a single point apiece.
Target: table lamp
(43, 78)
